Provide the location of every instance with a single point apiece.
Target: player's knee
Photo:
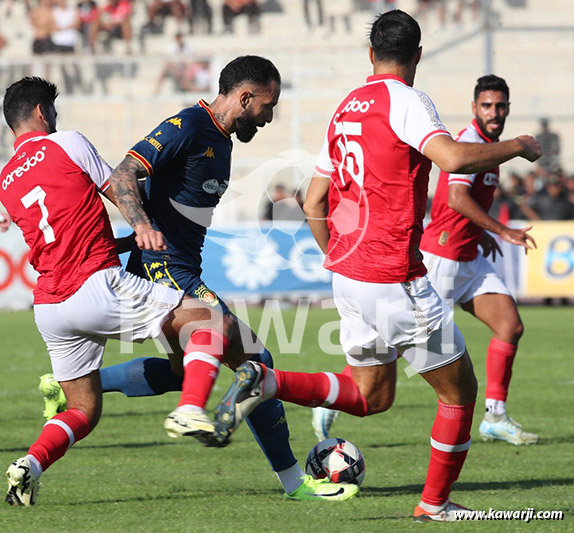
(379, 403)
(518, 332)
(91, 410)
(509, 330)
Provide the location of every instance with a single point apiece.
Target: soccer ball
(337, 459)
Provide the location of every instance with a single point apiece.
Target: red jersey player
(82, 298)
(461, 275)
(365, 206)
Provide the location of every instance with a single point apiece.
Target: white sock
(34, 465)
(433, 509)
(270, 385)
(291, 478)
(495, 407)
(189, 409)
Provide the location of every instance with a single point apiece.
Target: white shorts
(380, 319)
(461, 281)
(111, 304)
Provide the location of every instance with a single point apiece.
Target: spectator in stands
(42, 21)
(234, 8)
(341, 10)
(504, 208)
(66, 27)
(115, 23)
(550, 145)
(163, 8)
(551, 203)
(88, 14)
(178, 65)
(200, 9)
(569, 187)
(283, 205)
(424, 6)
(307, 13)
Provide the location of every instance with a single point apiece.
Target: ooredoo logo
(356, 105)
(32, 161)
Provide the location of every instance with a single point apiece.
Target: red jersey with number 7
(373, 155)
(50, 189)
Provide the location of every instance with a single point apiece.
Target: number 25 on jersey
(352, 157)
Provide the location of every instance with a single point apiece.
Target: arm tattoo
(124, 183)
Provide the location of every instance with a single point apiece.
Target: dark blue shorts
(176, 275)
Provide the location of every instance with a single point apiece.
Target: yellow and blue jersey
(188, 157)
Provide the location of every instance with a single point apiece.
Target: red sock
(58, 435)
(203, 355)
(335, 391)
(499, 360)
(450, 441)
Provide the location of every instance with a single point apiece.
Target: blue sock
(269, 427)
(145, 376)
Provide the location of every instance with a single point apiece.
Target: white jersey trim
(413, 116)
(84, 154)
(468, 135)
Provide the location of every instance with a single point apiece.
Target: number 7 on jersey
(37, 194)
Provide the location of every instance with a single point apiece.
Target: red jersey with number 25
(50, 189)
(373, 154)
(450, 234)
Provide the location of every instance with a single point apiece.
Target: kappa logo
(175, 121)
(209, 153)
(32, 161)
(355, 105)
(490, 179)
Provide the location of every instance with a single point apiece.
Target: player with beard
(460, 223)
(187, 162)
(461, 275)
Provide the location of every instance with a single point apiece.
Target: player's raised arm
(124, 185)
(316, 207)
(470, 158)
(461, 201)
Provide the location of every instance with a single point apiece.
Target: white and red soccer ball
(337, 459)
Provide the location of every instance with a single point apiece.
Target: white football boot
(23, 485)
(502, 427)
(322, 421)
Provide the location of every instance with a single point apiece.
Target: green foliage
(128, 476)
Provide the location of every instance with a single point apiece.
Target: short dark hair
(491, 82)
(395, 37)
(254, 69)
(23, 96)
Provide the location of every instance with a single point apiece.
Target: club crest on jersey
(210, 186)
(206, 296)
(356, 105)
(490, 179)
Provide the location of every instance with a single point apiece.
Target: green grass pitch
(128, 476)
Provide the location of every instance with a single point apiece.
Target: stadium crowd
(72, 26)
